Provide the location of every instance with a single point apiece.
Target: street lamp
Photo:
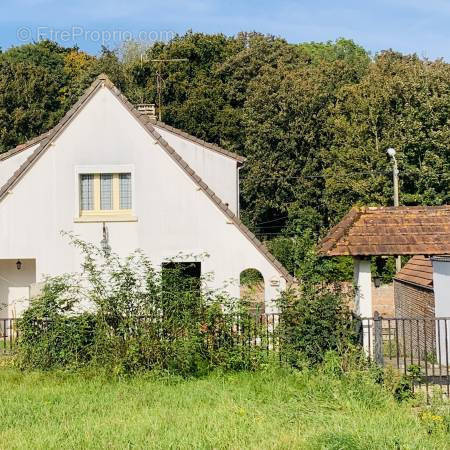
(391, 152)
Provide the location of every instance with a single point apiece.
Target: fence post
(378, 339)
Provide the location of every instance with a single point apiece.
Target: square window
(105, 194)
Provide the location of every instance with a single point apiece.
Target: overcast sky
(420, 26)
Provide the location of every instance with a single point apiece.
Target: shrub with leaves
(125, 316)
(51, 334)
(315, 320)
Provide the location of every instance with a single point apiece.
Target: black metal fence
(252, 331)
(9, 334)
(417, 347)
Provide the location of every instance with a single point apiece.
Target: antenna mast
(159, 77)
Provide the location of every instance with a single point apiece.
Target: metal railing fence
(418, 347)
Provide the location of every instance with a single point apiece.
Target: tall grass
(275, 408)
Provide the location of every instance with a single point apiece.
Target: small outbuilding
(413, 289)
(386, 231)
(392, 231)
(413, 298)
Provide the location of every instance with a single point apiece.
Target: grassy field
(273, 409)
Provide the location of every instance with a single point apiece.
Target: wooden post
(378, 339)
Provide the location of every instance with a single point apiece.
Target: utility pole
(391, 152)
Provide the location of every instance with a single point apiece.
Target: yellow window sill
(105, 218)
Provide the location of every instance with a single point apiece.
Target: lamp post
(391, 152)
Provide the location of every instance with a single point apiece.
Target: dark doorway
(182, 275)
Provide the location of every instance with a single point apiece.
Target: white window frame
(116, 215)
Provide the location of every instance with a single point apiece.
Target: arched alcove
(252, 289)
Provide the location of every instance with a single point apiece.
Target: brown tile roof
(404, 230)
(417, 271)
(196, 140)
(146, 122)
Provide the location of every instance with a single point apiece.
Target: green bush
(298, 254)
(124, 316)
(315, 320)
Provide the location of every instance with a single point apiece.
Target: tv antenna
(159, 76)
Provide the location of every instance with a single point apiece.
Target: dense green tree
(29, 97)
(404, 103)
(38, 84)
(286, 128)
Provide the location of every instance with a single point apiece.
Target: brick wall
(383, 300)
(413, 301)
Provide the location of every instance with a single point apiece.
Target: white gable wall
(173, 215)
(218, 171)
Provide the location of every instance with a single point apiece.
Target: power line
(343, 176)
(273, 235)
(273, 220)
(270, 226)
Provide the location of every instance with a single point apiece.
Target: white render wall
(441, 285)
(173, 215)
(218, 171)
(362, 277)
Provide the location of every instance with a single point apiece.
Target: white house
(156, 188)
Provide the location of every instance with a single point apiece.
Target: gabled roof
(403, 230)
(417, 271)
(159, 124)
(196, 140)
(146, 122)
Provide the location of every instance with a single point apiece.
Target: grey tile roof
(147, 123)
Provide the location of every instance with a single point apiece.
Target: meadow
(273, 408)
